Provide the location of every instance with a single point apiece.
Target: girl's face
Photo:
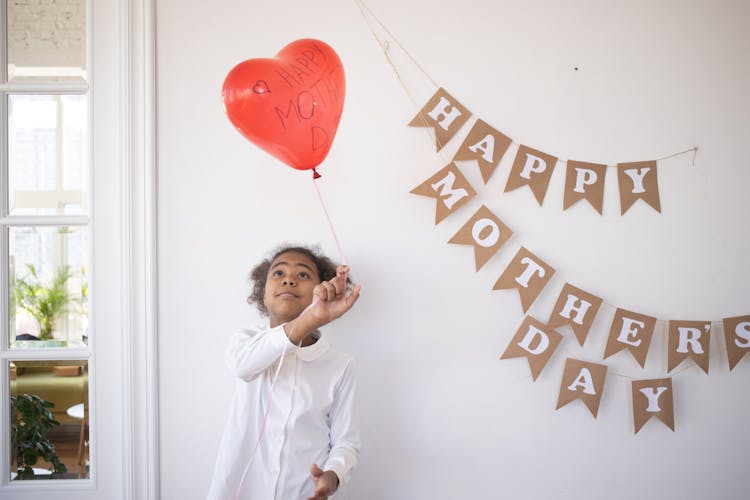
(289, 286)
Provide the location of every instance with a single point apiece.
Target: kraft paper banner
(584, 181)
(737, 336)
(450, 189)
(631, 331)
(531, 168)
(638, 180)
(688, 339)
(485, 145)
(485, 232)
(535, 342)
(577, 309)
(528, 274)
(653, 398)
(444, 114)
(584, 381)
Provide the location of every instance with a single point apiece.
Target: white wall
(443, 417)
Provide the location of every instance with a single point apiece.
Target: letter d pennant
(535, 342)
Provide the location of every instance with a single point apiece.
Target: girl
(305, 429)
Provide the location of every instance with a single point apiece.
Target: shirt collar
(314, 351)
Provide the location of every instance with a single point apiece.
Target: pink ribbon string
(316, 176)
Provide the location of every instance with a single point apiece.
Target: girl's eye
(304, 275)
(277, 273)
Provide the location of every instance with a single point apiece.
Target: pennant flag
(737, 336)
(584, 181)
(444, 114)
(577, 309)
(449, 187)
(485, 145)
(631, 331)
(531, 168)
(584, 381)
(653, 398)
(526, 273)
(688, 339)
(485, 232)
(638, 180)
(535, 342)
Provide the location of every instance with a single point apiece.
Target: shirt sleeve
(344, 428)
(251, 352)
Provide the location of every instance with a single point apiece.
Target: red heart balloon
(290, 105)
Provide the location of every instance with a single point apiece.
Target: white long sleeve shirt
(313, 418)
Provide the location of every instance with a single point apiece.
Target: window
(45, 225)
(77, 217)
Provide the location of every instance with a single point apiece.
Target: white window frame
(122, 203)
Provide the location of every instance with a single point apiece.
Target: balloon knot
(316, 175)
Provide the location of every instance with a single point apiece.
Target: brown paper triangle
(737, 337)
(528, 274)
(444, 114)
(653, 398)
(531, 168)
(485, 145)
(584, 181)
(450, 189)
(584, 381)
(688, 339)
(638, 181)
(485, 232)
(535, 342)
(632, 331)
(577, 309)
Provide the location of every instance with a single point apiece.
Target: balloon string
(262, 425)
(328, 217)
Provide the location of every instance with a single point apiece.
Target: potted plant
(44, 303)
(30, 421)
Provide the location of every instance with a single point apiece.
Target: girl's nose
(289, 282)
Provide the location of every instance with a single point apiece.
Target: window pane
(47, 39)
(47, 138)
(49, 435)
(48, 287)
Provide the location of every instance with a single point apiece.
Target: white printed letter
(533, 164)
(446, 189)
(486, 145)
(532, 268)
(583, 380)
(637, 175)
(742, 330)
(527, 339)
(441, 114)
(653, 398)
(584, 177)
(580, 310)
(627, 331)
(490, 239)
(689, 336)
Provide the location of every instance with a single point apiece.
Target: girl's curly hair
(259, 274)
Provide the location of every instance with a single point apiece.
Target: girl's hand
(330, 300)
(326, 483)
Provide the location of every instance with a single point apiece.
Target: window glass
(49, 435)
(48, 160)
(48, 288)
(46, 40)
